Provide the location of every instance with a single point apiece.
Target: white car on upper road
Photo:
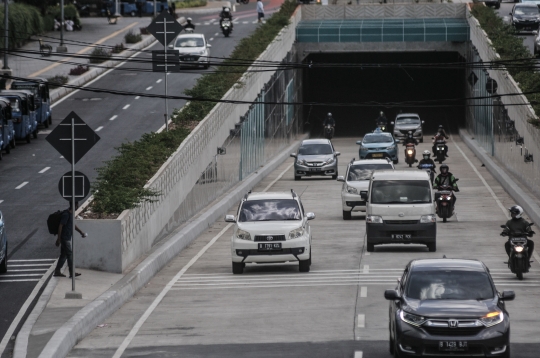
(193, 50)
(271, 227)
(356, 182)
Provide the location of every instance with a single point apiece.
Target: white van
(400, 209)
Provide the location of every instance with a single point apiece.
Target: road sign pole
(166, 68)
(73, 205)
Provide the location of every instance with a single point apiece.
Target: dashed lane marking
(149, 88)
(363, 291)
(361, 322)
(137, 97)
(32, 260)
(44, 170)
(358, 354)
(1, 201)
(366, 269)
(197, 24)
(211, 39)
(159, 81)
(99, 128)
(22, 185)
(245, 22)
(44, 131)
(217, 33)
(26, 280)
(61, 157)
(113, 118)
(126, 106)
(206, 23)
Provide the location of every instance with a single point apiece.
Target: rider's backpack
(53, 221)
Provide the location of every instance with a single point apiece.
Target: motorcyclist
(441, 135)
(189, 24)
(427, 163)
(329, 120)
(444, 181)
(516, 225)
(410, 139)
(226, 14)
(381, 120)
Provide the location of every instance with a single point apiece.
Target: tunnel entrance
(382, 86)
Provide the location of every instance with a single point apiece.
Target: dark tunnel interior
(383, 85)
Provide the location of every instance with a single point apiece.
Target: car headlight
(351, 190)
(393, 146)
(418, 130)
(301, 162)
(492, 318)
(296, 233)
(374, 219)
(426, 219)
(203, 52)
(518, 248)
(243, 235)
(330, 161)
(363, 148)
(412, 319)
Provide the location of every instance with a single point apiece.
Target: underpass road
(337, 309)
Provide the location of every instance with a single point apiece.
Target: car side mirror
(337, 154)
(230, 218)
(310, 216)
(508, 295)
(359, 142)
(293, 155)
(341, 178)
(392, 123)
(391, 295)
(363, 195)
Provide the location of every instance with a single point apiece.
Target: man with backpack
(65, 228)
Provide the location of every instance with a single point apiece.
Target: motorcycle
(518, 262)
(189, 30)
(428, 168)
(381, 126)
(410, 154)
(445, 202)
(242, 1)
(440, 147)
(328, 131)
(226, 27)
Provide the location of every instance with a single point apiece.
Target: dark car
(448, 307)
(525, 17)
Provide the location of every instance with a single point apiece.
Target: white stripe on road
(217, 33)
(44, 170)
(197, 24)
(23, 275)
(207, 23)
(158, 81)
(61, 156)
(23, 184)
(254, 22)
(162, 294)
(28, 270)
(366, 269)
(31, 260)
(24, 265)
(212, 20)
(363, 291)
(245, 22)
(149, 88)
(358, 354)
(361, 323)
(29, 280)
(113, 118)
(99, 128)
(211, 39)
(1, 201)
(137, 97)
(126, 106)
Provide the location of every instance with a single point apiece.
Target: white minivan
(400, 209)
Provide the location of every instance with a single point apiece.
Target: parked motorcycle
(430, 169)
(445, 202)
(518, 262)
(328, 131)
(226, 27)
(410, 154)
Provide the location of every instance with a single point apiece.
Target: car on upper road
(408, 122)
(448, 308)
(193, 50)
(494, 3)
(525, 17)
(315, 157)
(271, 227)
(378, 145)
(3, 245)
(537, 45)
(356, 183)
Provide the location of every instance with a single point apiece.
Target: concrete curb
(85, 320)
(181, 12)
(514, 189)
(95, 72)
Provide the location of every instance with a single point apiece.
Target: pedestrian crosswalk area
(31, 270)
(503, 278)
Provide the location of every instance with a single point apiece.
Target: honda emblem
(453, 323)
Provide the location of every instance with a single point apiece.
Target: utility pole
(62, 47)
(116, 12)
(155, 9)
(6, 33)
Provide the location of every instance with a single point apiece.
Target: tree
(42, 5)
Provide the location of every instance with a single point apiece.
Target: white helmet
(189, 19)
(516, 211)
(329, 114)
(426, 153)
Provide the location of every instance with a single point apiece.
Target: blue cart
(41, 98)
(7, 132)
(130, 7)
(22, 112)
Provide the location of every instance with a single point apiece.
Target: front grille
(400, 222)
(404, 131)
(269, 237)
(458, 331)
(315, 164)
(190, 57)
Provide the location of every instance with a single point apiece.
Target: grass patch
(99, 55)
(118, 48)
(190, 3)
(132, 38)
(57, 81)
(78, 70)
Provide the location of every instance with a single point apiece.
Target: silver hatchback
(315, 157)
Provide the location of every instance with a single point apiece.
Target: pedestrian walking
(64, 240)
(260, 10)
(172, 9)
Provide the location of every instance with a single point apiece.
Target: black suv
(448, 307)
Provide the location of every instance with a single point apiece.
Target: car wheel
(347, 215)
(34, 134)
(396, 161)
(8, 149)
(12, 143)
(238, 268)
(28, 138)
(297, 177)
(422, 140)
(46, 124)
(50, 119)
(370, 247)
(3, 264)
(0, 153)
(432, 247)
(334, 177)
(133, 13)
(303, 266)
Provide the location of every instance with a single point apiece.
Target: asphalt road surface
(337, 309)
(29, 175)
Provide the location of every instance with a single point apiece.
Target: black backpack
(53, 221)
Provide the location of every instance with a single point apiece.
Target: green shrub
(99, 55)
(118, 48)
(57, 81)
(132, 38)
(189, 3)
(24, 21)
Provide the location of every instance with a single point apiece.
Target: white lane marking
(32, 260)
(363, 291)
(158, 81)
(149, 88)
(361, 323)
(254, 22)
(211, 39)
(99, 128)
(197, 23)
(368, 253)
(61, 156)
(137, 97)
(28, 270)
(1, 201)
(212, 20)
(162, 294)
(216, 23)
(126, 106)
(113, 118)
(24, 265)
(358, 354)
(217, 33)
(44, 131)
(44, 170)
(168, 73)
(21, 275)
(24, 307)
(366, 269)
(245, 22)
(21, 185)
(278, 178)
(207, 23)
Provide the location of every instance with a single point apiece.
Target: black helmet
(516, 211)
(444, 169)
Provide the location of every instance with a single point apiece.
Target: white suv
(271, 227)
(356, 182)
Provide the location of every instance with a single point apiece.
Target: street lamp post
(61, 47)
(6, 32)
(116, 12)
(155, 9)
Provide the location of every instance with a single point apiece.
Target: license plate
(377, 155)
(189, 58)
(314, 169)
(270, 247)
(453, 346)
(401, 236)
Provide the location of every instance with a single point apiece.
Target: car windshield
(526, 10)
(378, 138)
(189, 42)
(400, 192)
(269, 210)
(315, 149)
(363, 171)
(449, 284)
(407, 120)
